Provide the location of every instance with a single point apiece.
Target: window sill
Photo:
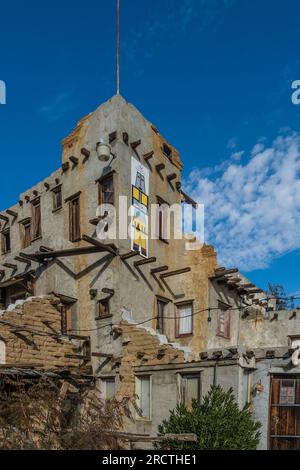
(184, 336)
(223, 336)
(36, 239)
(56, 210)
(103, 318)
(163, 240)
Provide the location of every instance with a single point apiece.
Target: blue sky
(215, 77)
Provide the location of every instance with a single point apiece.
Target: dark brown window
(167, 151)
(162, 220)
(223, 327)
(161, 306)
(57, 198)
(184, 319)
(106, 190)
(74, 215)
(66, 319)
(5, 241)
(25, 229)
(36, 219)
(104, 310)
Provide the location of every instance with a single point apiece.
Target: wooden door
(284, 425)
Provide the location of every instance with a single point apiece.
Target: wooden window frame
(55, 191)
(177, 319)
(5, 249)
(23, 225)
(138, 378)
(161, 202)
(107, 302)
(36, 225)
(74, 232)
(101, 181)
(164, 301)
(190, 375)
(167, 150)
(225, 310)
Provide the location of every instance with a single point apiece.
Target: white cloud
(252, 210)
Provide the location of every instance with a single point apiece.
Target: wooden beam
(148, 156)
(74, 160)
(125, 138)
(12, 213)
(171, 177)
(3, 217)
(86, 153)
(97, 354)
(129, 255)
(159, 269)
(175, 273)
(135, 144)
(144, 261)
(45, 248)
(160, 167)
(84, 250)
(65, 166)
(178, 185)
(14, 267)
(47, 186)
(225, 272)
(254, 291)
(111, 292)
(110, 248)
(29, 256)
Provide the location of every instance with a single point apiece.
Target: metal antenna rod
(118, 47)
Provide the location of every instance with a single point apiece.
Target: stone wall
(29, 329)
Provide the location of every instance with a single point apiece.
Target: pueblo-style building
(163, 322)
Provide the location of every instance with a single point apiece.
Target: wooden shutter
(36, 220)
(74, 216)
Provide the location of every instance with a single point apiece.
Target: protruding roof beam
(160, 269)
(225, 272)
(136, 144)
(129, 255)
(12, 213)
(171, 177)
(110, 248)
(175, 273)
(148, 156)
(144, 261)
(74, 160)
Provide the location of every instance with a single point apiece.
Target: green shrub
(217, 421)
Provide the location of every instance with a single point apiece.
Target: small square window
(167, 151)
(104, 310)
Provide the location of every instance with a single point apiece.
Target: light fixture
(103, 151)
